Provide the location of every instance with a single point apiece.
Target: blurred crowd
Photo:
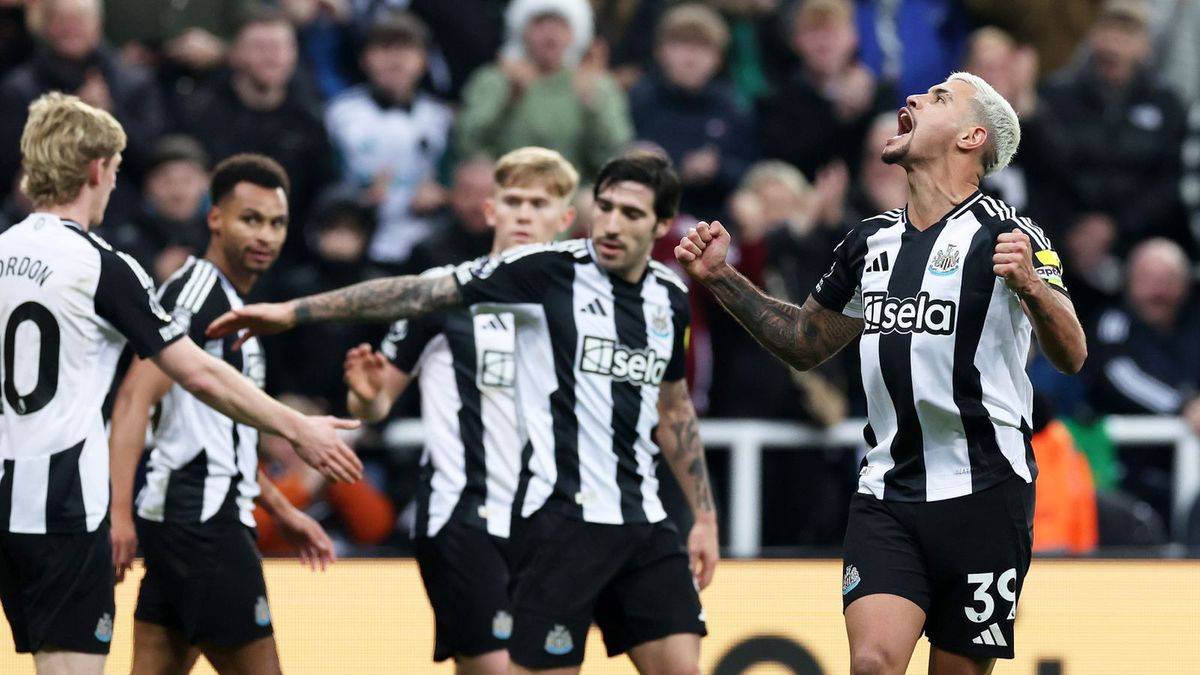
(387, 114)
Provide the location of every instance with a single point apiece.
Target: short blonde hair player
(87, 301)
(458, 549)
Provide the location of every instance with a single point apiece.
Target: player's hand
(319, 445)
(124, 544)
(265, 318)
(306, 535)
(364, 369)
(1013, 261)
(703, 250)
(703, 550)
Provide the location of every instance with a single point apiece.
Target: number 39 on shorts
(984, 605)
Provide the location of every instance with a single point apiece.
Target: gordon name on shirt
(30, 268)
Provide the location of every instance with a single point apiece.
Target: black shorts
(57, 590)
(466, 577)
(204, 580)
(633, 580)
(962, 560)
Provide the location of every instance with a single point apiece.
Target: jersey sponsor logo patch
(262, 613)
(502, 625)
(497, 369)
(104, 628)
(883, 313)
(850, 579)
(601, 356)
(946, 261)
(558, 640)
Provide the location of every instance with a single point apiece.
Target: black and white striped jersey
(592, 350)
(943, 349)
(202, 464)
(68, 304)
(474, 438)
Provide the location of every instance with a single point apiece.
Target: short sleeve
(516, 276)
(191, 302)
(680, 309)
(407, 338)
(125, 298)
(840, 288)
(1046, 262)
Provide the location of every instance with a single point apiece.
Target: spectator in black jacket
(171, 222)
(823, 111)
(258, 108)
(1144, 359)
(1115, 132)
(462, 231)
(71, 57)
(682, 109)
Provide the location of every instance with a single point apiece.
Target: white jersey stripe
(599, 493)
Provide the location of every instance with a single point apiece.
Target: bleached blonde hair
(1000, 120)
(531, 165)
(62, 135)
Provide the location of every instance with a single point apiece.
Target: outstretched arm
(679, 439)
(144, 386)
(376, 300)
(802, 337)
(298, 529)
(1051, 313)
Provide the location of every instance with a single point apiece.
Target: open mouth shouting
(905, 123)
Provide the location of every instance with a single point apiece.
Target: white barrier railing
(746, 440)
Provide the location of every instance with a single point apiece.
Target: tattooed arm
(377, 300)
(802, 337)
(679, 439)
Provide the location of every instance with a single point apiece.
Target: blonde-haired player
(69, 303)
(474, 439)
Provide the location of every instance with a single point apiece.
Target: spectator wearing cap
(256, 107)
(1115, 132)
(391, 136)
(170, 223)
(548, 89)
(71, 56)
(823, 111)
(682, 108)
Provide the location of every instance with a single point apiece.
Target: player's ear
(662, 227)
(489, 211)
(214, 219)
(972, 137)
(95, 171)
(568, 219)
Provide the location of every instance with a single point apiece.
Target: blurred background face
(1157, 284)
(344, 240)
(250, 225)
(72, 27)
(265, 53)
(826, 45)
(1118, 49)
(472, 187)
(527, 214)
(176, 189)
(991, 58)
(547, 38)
(688, 64)
(396, 68)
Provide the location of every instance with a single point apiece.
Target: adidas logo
(880, 263)
(991, 636)
(493, 323)
(594, 307)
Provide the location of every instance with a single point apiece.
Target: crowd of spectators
(386, 114)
